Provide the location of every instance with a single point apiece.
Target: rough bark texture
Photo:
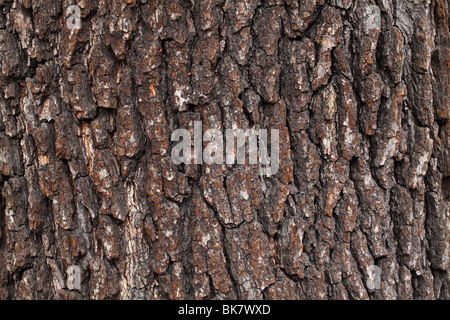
(359, 90)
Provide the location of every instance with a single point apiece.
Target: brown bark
(359, 90)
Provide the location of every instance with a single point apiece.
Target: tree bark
(359, 91)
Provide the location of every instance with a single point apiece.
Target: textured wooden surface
(358, 89)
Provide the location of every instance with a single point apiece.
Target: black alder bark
(358, 89)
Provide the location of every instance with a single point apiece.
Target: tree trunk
(359, 91)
